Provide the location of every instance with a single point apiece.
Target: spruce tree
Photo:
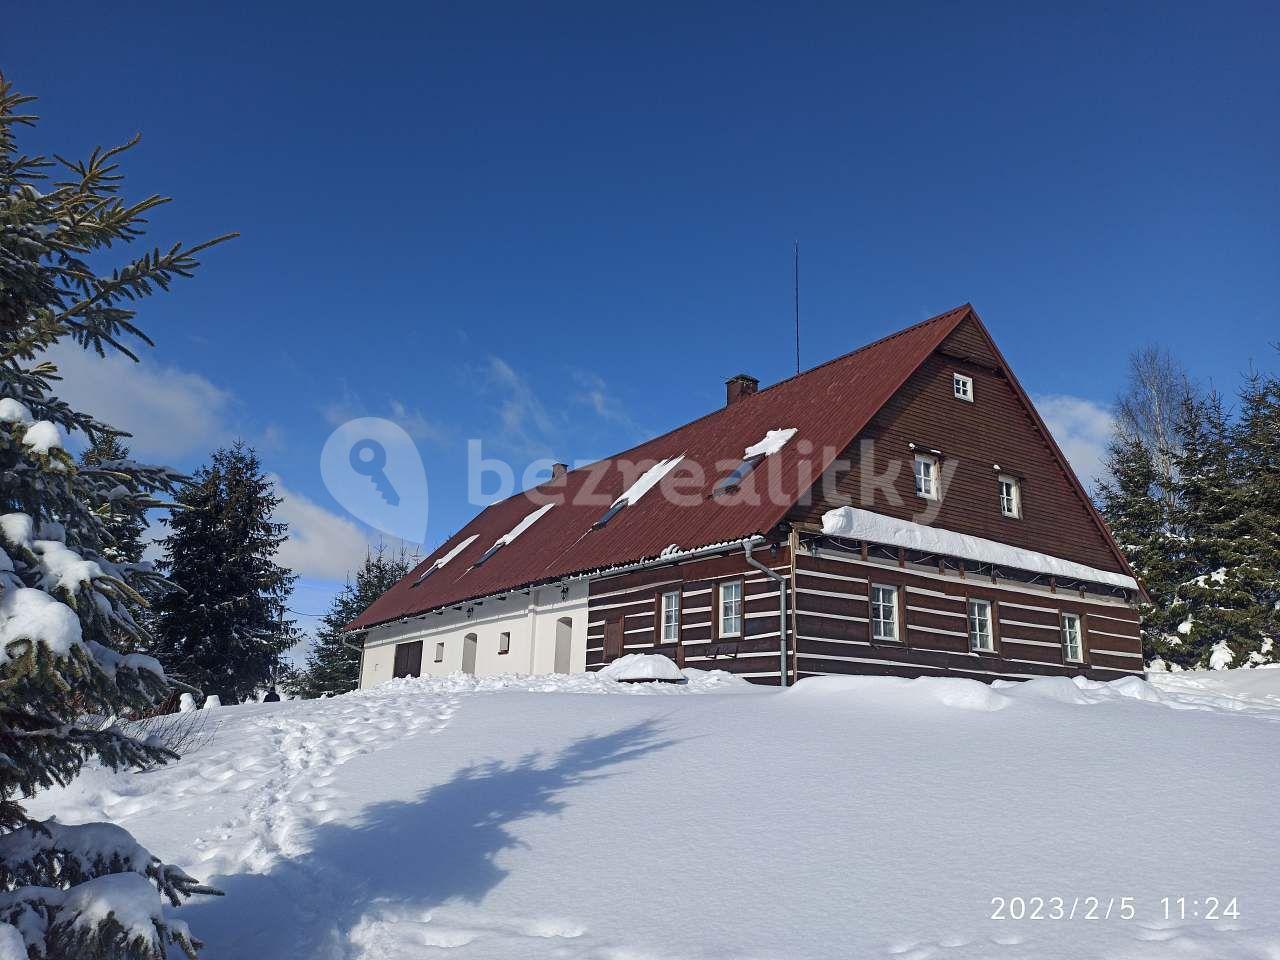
(223, 628)
(1132, 502)
(332, 666)
(1215, 617)
(88, 890)
(124, 517)
(1256, 460)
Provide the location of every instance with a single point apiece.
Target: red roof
(828, 406)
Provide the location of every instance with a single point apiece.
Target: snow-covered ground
(846, 818)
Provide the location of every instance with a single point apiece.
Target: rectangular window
(1072, 641)
(962, 386)
(504, 642)
(884, 613)
(1010, 496)
(440, 652)
(670, 617)
(926, 471)
(980, 636)
(731, 608)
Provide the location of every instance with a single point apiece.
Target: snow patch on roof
(773, 441)
(647, 481)
(877, 528)
(441, 561)
(522, 526)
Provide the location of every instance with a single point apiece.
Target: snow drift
(585, 819)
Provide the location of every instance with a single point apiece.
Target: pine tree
(332, 666)
(1133, 504)
(223, 629)
(90, 890)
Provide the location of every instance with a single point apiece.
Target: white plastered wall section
(532, 619)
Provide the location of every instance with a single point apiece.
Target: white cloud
(1082, 429)
(596, 395)
(170, 412)
(321, 544)
(526, 424)
(351, 405)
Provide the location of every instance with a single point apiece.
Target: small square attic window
(962, 386)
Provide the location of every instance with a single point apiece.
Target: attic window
(962, 387)
(514, 532)
(646, 481)
(773, 441)
(445, 559)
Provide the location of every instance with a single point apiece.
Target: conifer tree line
(1192, 494)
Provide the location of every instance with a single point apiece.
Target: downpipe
(781, 581)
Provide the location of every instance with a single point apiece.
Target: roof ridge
(965, 307)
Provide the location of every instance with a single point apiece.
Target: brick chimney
(558, 470)
(743, 385)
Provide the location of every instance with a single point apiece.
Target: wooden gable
(998, 432)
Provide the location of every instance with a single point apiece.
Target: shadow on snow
(414, 854)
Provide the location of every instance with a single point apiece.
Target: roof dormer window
(514, 532)
(753, 456)
(643, 484)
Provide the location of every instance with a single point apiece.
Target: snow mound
(696, 681)
(955, 692)
(644, 666)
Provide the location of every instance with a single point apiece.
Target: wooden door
(408, 660)
(612, 638)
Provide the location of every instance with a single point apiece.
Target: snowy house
(898, 510)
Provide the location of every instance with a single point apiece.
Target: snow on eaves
(864, 525)
(774, 440)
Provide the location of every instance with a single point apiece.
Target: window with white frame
(1072, 639)
(440, 652)
(962, 386)
(884, 613)
(504, 642)
(731, 608)
(1010, 495)
(671, 617)
(980, 636)
(926, 473)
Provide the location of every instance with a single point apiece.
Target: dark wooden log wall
(629, 603)
(833, 633)
(994, 429)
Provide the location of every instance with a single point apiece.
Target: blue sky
(559, 228)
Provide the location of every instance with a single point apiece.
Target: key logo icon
(369, 458)
(373, 469)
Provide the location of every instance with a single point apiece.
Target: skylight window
(441, 561)
(643, 484)
(773, 441)
(514, 532)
